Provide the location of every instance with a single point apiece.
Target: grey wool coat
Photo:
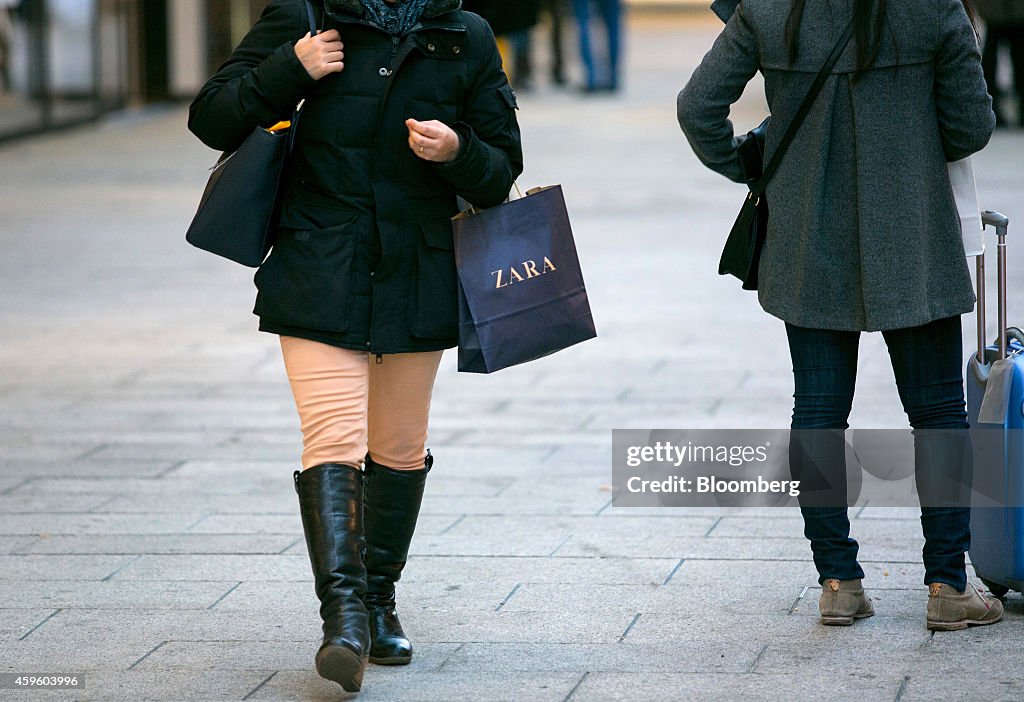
(863, 233)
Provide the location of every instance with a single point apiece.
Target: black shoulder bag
(238, 212)
(741, 256)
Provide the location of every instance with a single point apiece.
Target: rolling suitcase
(997, 514)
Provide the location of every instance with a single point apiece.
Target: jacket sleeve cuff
(465, 169)
(283, 76)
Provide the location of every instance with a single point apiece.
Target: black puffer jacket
(363, 257)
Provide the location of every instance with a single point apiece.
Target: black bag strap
(801, 114)
(312, 18)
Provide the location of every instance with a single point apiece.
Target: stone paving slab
(524, 501)
(600, 600)
(50, 504)
(552, 626)
(87, 523)
(254, 567)
(193, 544)
(117, 595)
(428, 595)
(99, 656)
(68, 473)
(63, 567)
(11, 544)
(20, 621)
(289, 524)
(276, 655)
(170, 489)
(273, 501)
(673, 657)
(555, 570)
(201, 684)
(95, 627)
(728, 687)
(387, 685)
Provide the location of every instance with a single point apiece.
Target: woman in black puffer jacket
(406, 109)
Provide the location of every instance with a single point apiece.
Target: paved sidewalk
(149, 536)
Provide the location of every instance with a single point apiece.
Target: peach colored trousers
(351, 403)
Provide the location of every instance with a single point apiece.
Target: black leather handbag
(741, 256)
(237, 214)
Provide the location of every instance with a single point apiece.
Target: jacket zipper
(396, 43)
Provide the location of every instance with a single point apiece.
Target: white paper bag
(965, 191)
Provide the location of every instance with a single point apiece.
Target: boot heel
(341, 665)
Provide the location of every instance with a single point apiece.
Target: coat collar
(354, 8)
(724, 8)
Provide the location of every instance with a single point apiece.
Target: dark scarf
(395, 19)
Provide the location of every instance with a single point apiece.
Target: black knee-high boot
(331, 502)
(391, 501)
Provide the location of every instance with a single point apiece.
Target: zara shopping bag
(521, 292)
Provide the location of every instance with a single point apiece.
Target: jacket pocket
(435, 302)
(508, 96)
(307, 281)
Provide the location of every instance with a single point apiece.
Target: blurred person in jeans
(600, 78)
(842, 256)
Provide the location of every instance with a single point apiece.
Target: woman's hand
(433, 141)
(321, 55)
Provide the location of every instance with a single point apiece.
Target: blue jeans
(927, 362)
(610, 12)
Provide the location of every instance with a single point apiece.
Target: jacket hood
(434, 8)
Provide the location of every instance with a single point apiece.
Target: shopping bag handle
(474, 210)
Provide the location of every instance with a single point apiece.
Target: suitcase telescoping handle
(1000, 223)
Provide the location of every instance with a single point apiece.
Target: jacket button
(457, 49)
(431, 47)
(383, 71)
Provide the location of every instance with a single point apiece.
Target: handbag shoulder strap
(312, 17)
(298, 108)
(801, 114)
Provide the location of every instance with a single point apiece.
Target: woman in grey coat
(863, 236)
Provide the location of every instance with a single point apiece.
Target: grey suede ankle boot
(843, 601)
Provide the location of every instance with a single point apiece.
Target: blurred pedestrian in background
(842, 256)
(557, 11)
(7, 7)
(604, 77)
(1004, 26)
(511, 23)
(406, 109)
(523, 45)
